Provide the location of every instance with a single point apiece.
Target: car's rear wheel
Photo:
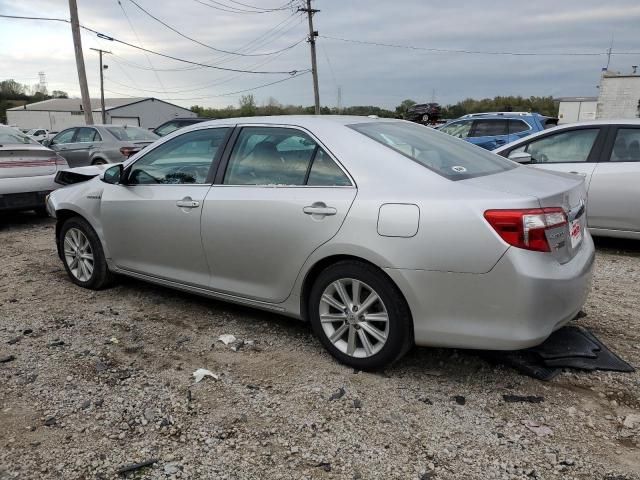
(360, 316)
(82, 254)
(99, 161)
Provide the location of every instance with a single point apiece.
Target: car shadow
(620, 246)
(21, 220)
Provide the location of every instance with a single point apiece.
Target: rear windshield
(132, 133)
(9, 136)
(450, 157)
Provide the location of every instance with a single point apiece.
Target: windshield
(132, 133)
(11, 136)
(445, 155)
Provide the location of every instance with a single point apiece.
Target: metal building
(619, 96)
(576, 109)
(60, 113)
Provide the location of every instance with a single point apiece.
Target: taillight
(526, 228)
(60, 161)
(128, 151)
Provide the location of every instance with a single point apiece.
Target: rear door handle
(319, 210)
(187, 203)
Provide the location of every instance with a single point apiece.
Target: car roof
(300, 120)
(565, 126)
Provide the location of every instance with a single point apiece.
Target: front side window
(626, 147)
(87, 135)
(565, 147)
(490, 128)
(65, 136)
(186, 159)
(132, 133)
(458, 129)
(444, 155)
(280, 156)
(167, 128)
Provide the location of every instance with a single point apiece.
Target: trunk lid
(552, 189)
(27, 161)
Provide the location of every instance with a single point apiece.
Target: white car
(40, 134)
(27, 171)
(607, 154)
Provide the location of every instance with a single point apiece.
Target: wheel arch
(314, 271)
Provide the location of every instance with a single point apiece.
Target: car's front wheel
(360, 316)
(82, 254)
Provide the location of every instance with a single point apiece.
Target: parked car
(424, 113)
(38, 134)
(607, 154)
(27, 171)
(382, 233)
(99, 144)
(492, 130)
(172, 125)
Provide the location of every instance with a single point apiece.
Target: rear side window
(281, 156)
(565, 147)
(131, 133)
(626, 147)
(444, 155)
(489, 128)
(517, 126)
(87, 135)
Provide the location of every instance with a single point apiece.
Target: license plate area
(576, 233)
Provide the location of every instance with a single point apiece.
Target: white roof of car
(300, 120)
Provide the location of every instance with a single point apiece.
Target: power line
(165, 55)
(138, 39)
(204, 44)
(228, 94)
(230, 8)
(286, 6)
(478, 52)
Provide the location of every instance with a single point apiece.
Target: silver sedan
(381, 233)
(607, 154)
(99, 144)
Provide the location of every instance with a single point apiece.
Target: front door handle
(319, 209)
(187, 203)
(582, 174)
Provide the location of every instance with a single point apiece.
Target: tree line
(14, 94)
(247, 107)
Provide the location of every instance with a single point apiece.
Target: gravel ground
(102, 380)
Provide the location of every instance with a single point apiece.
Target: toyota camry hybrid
(381, 233)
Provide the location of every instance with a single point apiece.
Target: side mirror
(113, 175)
(520, 157)
(47, 142)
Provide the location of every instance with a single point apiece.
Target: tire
(41, 212)
(99, 161)
(76, 232)
(397, 330)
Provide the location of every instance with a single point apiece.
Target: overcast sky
(367, 74)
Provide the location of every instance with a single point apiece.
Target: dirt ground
(102, 380)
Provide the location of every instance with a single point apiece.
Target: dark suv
(174, 124)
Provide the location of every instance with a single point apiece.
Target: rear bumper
(23, 201)
(518, 304)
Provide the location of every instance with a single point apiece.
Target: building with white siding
(60, 113)
(619, 96)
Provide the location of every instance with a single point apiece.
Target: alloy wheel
(78, 254)
(354, 317)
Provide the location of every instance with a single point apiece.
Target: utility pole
(82, 74)
(104, 113)
(312, 43)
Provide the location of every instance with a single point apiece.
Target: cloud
(366, 74)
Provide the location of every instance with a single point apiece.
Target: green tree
(59, 94)
(401, 110)
(247, 105)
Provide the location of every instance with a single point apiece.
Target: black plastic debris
(338, 395)
(522, 398)
(568, 347)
